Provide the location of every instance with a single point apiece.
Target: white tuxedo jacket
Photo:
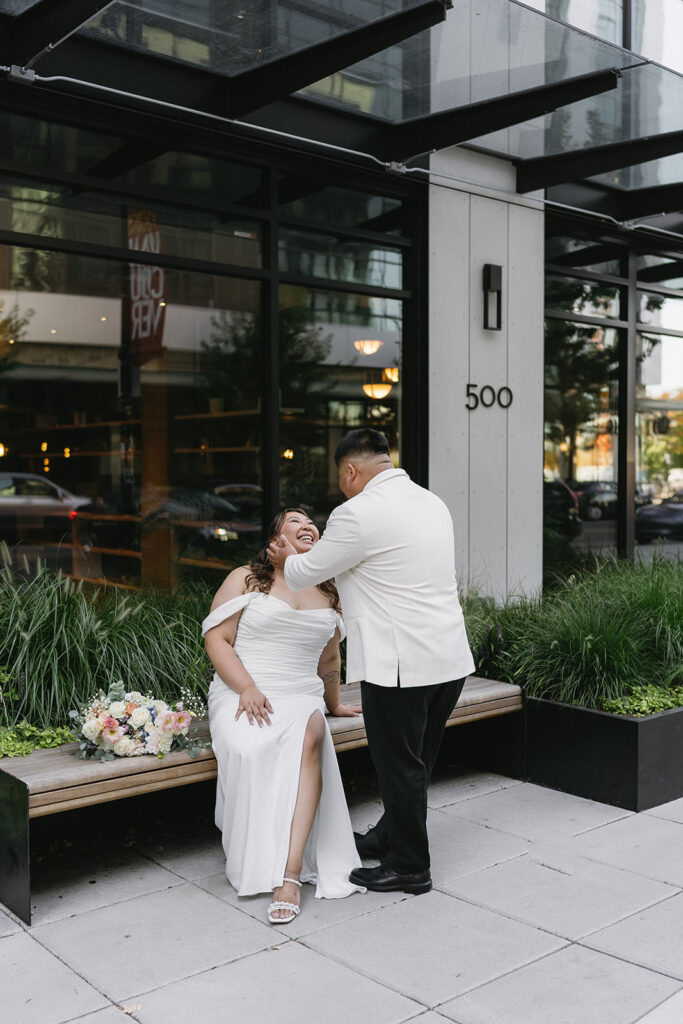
(390, 550)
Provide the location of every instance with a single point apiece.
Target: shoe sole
(411, 890)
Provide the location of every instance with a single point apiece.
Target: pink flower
(166, 721)
(183, 719)
(112, 734)
(110, 723)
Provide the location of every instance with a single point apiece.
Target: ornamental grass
(60, 643)
(597, 636)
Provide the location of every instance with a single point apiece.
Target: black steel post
(626, 460)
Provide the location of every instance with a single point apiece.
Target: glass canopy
(482, 50)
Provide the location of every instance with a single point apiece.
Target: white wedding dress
(258, 768)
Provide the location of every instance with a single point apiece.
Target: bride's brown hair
(262, 572)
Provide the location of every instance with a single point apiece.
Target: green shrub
(22, 738)
(646, 700)
(60, 643)
(594, 637)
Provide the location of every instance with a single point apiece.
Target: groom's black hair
(364, 441)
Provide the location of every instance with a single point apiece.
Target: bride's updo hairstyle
(262, 572)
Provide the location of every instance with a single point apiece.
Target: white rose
(123, 746)
(91, 729)
(136, 696)
(117, 709)
(159, 706)
(165, 741)
(139, 717)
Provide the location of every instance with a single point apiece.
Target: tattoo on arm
(331, 677)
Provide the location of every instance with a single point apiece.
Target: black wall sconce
(493, 297)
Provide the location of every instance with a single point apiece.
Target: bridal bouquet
(128, 724)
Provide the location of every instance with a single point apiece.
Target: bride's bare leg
(307, 800)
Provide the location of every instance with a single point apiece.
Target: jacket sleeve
(340, 548)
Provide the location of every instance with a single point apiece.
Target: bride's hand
(255, 704)
(346, 711)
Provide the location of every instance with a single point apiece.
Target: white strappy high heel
(284, 905)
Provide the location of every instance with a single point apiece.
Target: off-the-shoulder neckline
(274, 597)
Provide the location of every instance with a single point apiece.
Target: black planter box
(635, 763)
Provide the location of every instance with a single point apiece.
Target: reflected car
(597, 499)
(36, 510)
(560, 508)
(663, 520)
(206, 524)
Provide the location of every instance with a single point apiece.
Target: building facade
(230, 233)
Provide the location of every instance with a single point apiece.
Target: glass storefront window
(340, 369)
(130, 419)
(658, 30)
(571, 295)
(660, 311)
(659, 442)
(602, 18)
(302, 198)
(580, 447)
(585, 254)
(657, 269)
(311, 254)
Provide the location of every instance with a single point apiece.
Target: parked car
(661, 520)
(597, 499)
(560, 508)
(36, 511)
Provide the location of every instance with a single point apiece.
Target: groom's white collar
(386, 474)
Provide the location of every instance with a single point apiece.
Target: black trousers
(405, 726)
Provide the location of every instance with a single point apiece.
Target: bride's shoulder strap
(225, 610)
(340, 625)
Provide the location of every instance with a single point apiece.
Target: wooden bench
(50, 781)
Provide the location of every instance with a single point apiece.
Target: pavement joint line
(653, 1008)
(625, 960)
(620, 920)
(505, 974)
(549, 931)
(196, 974)
(92, 910)
(70, 968)
(473, 796)
(566, 942)
(365, 974)
(476, 871)
(631, 871)
(605, 824)
(509, 916)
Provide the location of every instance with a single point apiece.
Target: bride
(279, 802)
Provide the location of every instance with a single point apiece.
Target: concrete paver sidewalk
(547, 909)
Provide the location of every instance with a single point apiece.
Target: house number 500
(488, 396)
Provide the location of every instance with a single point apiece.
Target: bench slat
(57, 780)
(139, 790)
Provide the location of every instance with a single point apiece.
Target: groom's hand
(279, 551)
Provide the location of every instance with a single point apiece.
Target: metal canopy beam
(159, 79)
(588, 256)
(283, 76)
(645, 202)
(127, 157)
(450, 127)
(41, 28)
(544, 172)
(661, 272)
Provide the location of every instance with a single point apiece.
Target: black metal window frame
(273, 160)
(629, 327)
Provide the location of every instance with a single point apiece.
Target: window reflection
(658, 30)
(583, 297)
(130, 420)
(581, 426)
(603, 18)
(340, 368)
(659, 442)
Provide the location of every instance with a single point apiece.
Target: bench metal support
(15, 863)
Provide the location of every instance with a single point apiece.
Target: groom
(390, 549)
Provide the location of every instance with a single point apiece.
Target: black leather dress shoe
(368, 845)
(383, 879)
